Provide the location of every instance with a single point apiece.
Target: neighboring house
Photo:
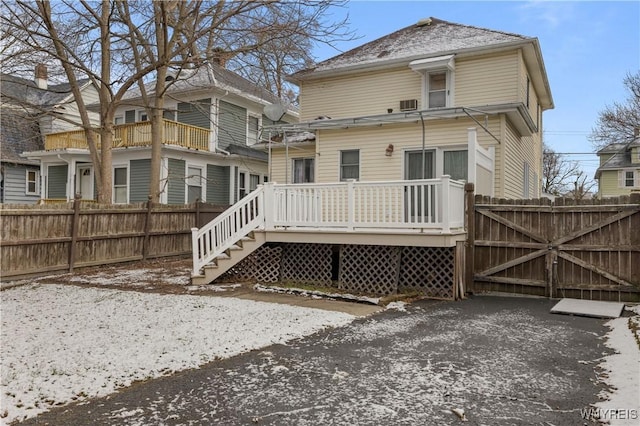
(212, 118)
(619, 171)
(30, 109)
(400, 107)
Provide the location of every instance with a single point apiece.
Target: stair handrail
(227, 229)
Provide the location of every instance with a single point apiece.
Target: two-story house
(31, 108)
(212, 117)
(619, 171)
(400, 107)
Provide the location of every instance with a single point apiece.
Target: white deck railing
(411, 205)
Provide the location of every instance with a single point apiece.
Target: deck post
(267, 206)
(194, 251)
(351, 211)
(445, 206)
(470, 227)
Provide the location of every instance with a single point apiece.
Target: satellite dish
(274, 112)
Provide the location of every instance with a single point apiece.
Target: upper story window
(437, 80)
(253, 130)
(629, 178)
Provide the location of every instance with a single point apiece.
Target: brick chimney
(41, 76)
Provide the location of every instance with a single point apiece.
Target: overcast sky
(588, 47)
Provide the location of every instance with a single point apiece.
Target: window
(252, 131)
(33, 182)
(142, 116)
(254, 181)
(628, 178)
(455, 164)
(118, 120)
(242, 185)
(350, 164)
(303, 170)
(419, 165)
(437, 80)
(120, 185)
(437, 90)
(194, 184)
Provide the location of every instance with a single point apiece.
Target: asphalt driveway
(503, 360)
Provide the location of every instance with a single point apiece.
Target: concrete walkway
(501, 360)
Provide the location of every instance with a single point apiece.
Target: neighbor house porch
(317, 219)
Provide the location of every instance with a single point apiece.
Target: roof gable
(429, 37)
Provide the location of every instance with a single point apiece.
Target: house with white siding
(401, 106)
(212, 118)
(31, 108)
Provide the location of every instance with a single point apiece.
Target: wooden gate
(557, 249)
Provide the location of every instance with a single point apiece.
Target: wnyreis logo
(609, 414)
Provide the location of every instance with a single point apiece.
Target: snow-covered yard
(65, 343)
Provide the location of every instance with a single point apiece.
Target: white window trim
(251, 142)
(622, 178)
(341, 179)
(436, 65)
(37, 182)
(142, 113)
(127, 186)
(293, 168)
(438, 156)
(202, 182)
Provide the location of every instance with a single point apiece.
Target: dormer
(437, 80)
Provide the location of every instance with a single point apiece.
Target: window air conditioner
(409, 105)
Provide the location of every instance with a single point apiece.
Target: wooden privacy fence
(586, 250)
(37, 239)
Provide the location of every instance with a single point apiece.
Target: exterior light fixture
(389, 150)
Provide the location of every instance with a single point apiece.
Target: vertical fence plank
(74, 232)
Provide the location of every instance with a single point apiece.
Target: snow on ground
(66, 343)
(622, 404)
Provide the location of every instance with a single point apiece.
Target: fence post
(147, 228)
(470, 226)
(198, 213)
(74, 231)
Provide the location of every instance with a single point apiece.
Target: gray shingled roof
(19, 132)
(20, 91)
(212, 76)
(430, 37)
(621, 157)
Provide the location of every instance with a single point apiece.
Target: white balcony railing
(412, 205)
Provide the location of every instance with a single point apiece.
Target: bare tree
(558, 174)
(617, 123)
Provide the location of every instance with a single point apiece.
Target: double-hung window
(32, 182)
(437, 80)
(120, 185)
(629, 178)
(350, 164)
(303, 170)
(194, 184)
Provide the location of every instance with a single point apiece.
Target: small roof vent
(424, 22)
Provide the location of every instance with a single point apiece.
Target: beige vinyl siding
(487, 80)
(279, 158)
(608, 185)
(534, 101)
(517, 151)
(373, 142)
(358, 95)
(635, 155)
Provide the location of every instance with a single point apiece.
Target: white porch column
(351, 210)
(445, 206)
(268, 206)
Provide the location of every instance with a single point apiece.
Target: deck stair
(225, 261)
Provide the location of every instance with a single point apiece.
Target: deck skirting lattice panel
(262, 265)
(369, 269)
(428, 270)
(307, 263)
